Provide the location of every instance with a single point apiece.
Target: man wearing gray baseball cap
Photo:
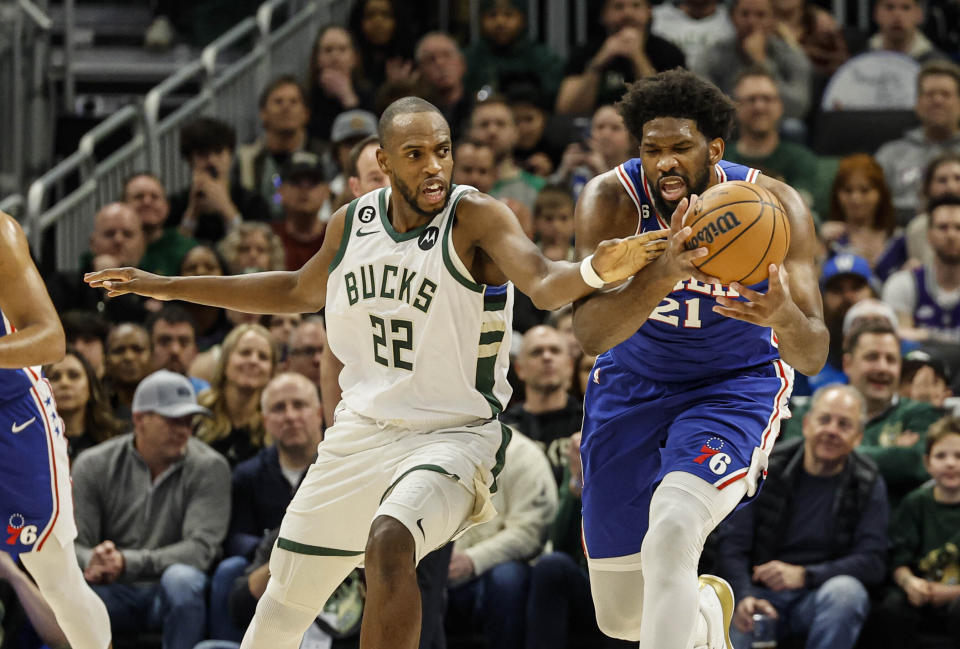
(152, 510)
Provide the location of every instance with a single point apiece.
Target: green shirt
(525, 59)
(165, 255)
(925, 535)
(797, 166)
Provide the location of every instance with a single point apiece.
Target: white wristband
(589, 275)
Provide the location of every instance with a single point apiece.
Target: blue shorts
(636, 431)
(35, 496)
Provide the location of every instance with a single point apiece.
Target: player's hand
(771, 309)
(778, 575)
(461, 566)
(120, 281)
(745, 610)
(619, 259)
(918, 590)
(677, 261)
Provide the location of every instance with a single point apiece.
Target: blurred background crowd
(855, 104)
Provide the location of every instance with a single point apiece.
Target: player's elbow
(55, 345)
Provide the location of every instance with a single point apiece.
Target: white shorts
(437, 483)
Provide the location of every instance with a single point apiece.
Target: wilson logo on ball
(712, 230)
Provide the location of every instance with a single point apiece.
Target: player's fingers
(691, 205)
(654, 235)
(676, 220)
(746, 291)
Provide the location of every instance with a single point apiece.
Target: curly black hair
(677, 93)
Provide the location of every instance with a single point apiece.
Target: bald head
(118, 234)
(292, 415)
(288, 383)
(402, 106)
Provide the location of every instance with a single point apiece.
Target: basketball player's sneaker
(716, 606)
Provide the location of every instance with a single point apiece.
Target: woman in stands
(336, 80)
(81, 403)
(247, 361)
(384, 39)
(862, 220)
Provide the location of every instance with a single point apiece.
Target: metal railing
(14, 205)
(228, 91)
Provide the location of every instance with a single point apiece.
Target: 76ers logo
(718, 462)
(17, 530)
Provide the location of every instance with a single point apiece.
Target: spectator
(252, 247)
(86, 332)
(442, 68)
(924, 555)
(382, 30)
(165, 246)
(152, 509)
(281, 326)
(475, 165)
(212, 325)
(308, 344)
(597, 73)
(127, 362)
(941, 177)
(898, 30)
(815, 540)
(845, 280)
(758, 42)
(81, 403)
(608, 145)
(246, 362)
(116, 240)
(924, 378)
(336, 80)
(304, 190)
(539, 143)
(925, 298)
(895, 428)
(938, 108)
(759, 145)
(212, 204)
(861, 218)
(548, 414)
(492, 122)
(817, 32)
(553, 222)
(264, 484)
(364, 173)
(349, 128)
(173, 338)
(504, 54)
(694, 26)
(284, 115)
(489, 573)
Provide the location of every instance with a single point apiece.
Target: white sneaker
(716, 605)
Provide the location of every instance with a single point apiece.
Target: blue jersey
(14, 383)
(683, 339)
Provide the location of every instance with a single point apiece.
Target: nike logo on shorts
(16, 428)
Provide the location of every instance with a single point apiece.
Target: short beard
(697, 186)
(410, 197)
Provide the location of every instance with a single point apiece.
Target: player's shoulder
(476, 206)
(10, 231)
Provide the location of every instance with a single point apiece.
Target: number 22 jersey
(421, 342)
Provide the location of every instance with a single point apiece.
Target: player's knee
(673, 540)
(616, 622)
(391, 552)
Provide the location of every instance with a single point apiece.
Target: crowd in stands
(854, 537)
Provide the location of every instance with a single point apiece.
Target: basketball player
(36, 505)
(418, 306)
(686, 397)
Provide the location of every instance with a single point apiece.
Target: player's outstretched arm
(38, 338)
(550, 284)
(605, 319)
(300, 291)
(792, 305)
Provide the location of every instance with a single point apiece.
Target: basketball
(744, 227)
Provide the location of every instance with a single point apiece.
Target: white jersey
(421, 342)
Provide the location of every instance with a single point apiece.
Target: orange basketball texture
(744, 227)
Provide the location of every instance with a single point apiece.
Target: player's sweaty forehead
(670, 131)
(421, 129)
